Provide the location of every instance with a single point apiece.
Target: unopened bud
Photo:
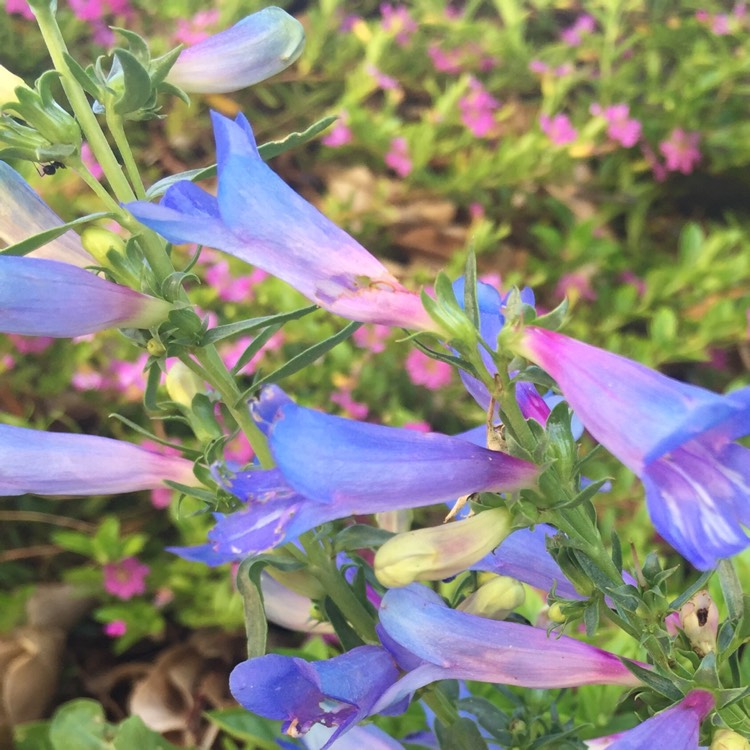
(496, 599)
(727, 739)
(9, 82)
(183, 384)
(300, 581)
(555, 613)
(441, 551)
(100, 242)
(699, 618)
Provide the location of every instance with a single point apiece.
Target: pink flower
(352, 408)
(196, 29)
(397, 157)
(19, 8)
(386, 83)
(128, 378)
(30, 344)
(681, 151)
(340, 134)
(372, 337)
(87, 380)
(239, 450)
(396, 19)
(232, 353)
(423, 370)
(87, 157)
(445, 61)
(417, 426)
(573, 35)
(126, 578)
(620, 126)
(628, 277)
(538, 67)
(576, 285)
(116, 628)
(558, 129)
(229, 287)
(478, 109)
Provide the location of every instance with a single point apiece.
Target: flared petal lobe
(258, 47)
(335, 460)
(336, 693)
(261, 220)
(52, 463)
(455, 645)
(676, 437)
(23, 213)
(41, 297)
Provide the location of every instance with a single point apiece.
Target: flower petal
(51, 463)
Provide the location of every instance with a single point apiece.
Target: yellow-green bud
(699, 617)
(100, 241)
(300, 581)
(9, 82)
(496, 599)
(726, 739)
(155, 348)
(441, 551)
(555, 613)
(183, 384)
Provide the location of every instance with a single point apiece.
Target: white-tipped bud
(496, 599)
(699, 618)
(441, 551)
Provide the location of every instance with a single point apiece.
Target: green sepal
(345, 632)
(471, 305)
(660, 684)
(136, 44)
(24, 247)
(555, 319)
(360, 536)
(461, 735)
(136, 84)
(85, 77)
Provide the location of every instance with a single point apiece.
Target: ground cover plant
(477, 478)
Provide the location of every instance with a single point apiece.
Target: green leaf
(36, 241)
(253, 324)
(136, 86)
(554, 319)
(32, 736)
(246, 726)
(248, 584)
(84, 77)
(360, 536)
(461, 735)
(79, 724)
(731, 588)
(691, 590)
(253, 348)
(655, 681)
(305, 358)
(471, 305)
(345, 632)
(133, 734)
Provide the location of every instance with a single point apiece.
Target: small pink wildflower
(558, 129)
(239, 450)
(339, 135)
(372, 337)
(418, 426)
(478, 109)
(397, 157)
(539, 67)
(125, 579)
(620, 126)
(229, 287)
(30, 344)
(231, 354)
(116, 628)
(128, 378)
(385, 82)
(349, 22)
(476, 211)
(87, 380)
(445, 61)
(575, 285)
(681, 151)
(352, 408)
(6, 362)
(628, 277)
(197, 28)
(19, 8)
(573, 35)
(396, 20)
(423, 370)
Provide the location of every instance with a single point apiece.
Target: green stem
(80, 104)
(443, 708)
(85, 174)
(216, 373)
(115, 124)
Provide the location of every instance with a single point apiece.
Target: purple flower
(125, 579)
(338, 692)
(414, 622)
(261, 220)
(573, 35)
(678, 438)
(680, 723)
(397, 21)
(558, 129)
(41, 297)
(51, 463)
(620, 126)
(681, 151)
(398, 158)
(349, 468)
(258, 47)
(478, 109)
(23, 214)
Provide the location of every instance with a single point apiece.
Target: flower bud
(182, 384)
(496, 599)
(727, 739)
(9, 82)
(699, 617)
(441, 551)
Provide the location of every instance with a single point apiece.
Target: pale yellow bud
(9, 82)
(726, 739)
(300, 581)
(441, 551)
(100, 241)
(699, 618)
(496, 599)
(183, 384)
(555, 614)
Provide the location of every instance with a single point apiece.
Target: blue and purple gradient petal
(261, 220)
(257, 47)
(677, 438)
(337, 692)
(40, 297)
(679, 725)
(53, 463)
(435, 642)
(23, 214)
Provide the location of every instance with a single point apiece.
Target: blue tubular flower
(41, 297)
(338, 692)
(438, 643)
(261, 220)
(23, 213)
(369, 467)
(258, 47)
(368, 737)
(677, 438)
(52, 463)
(680, 724)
